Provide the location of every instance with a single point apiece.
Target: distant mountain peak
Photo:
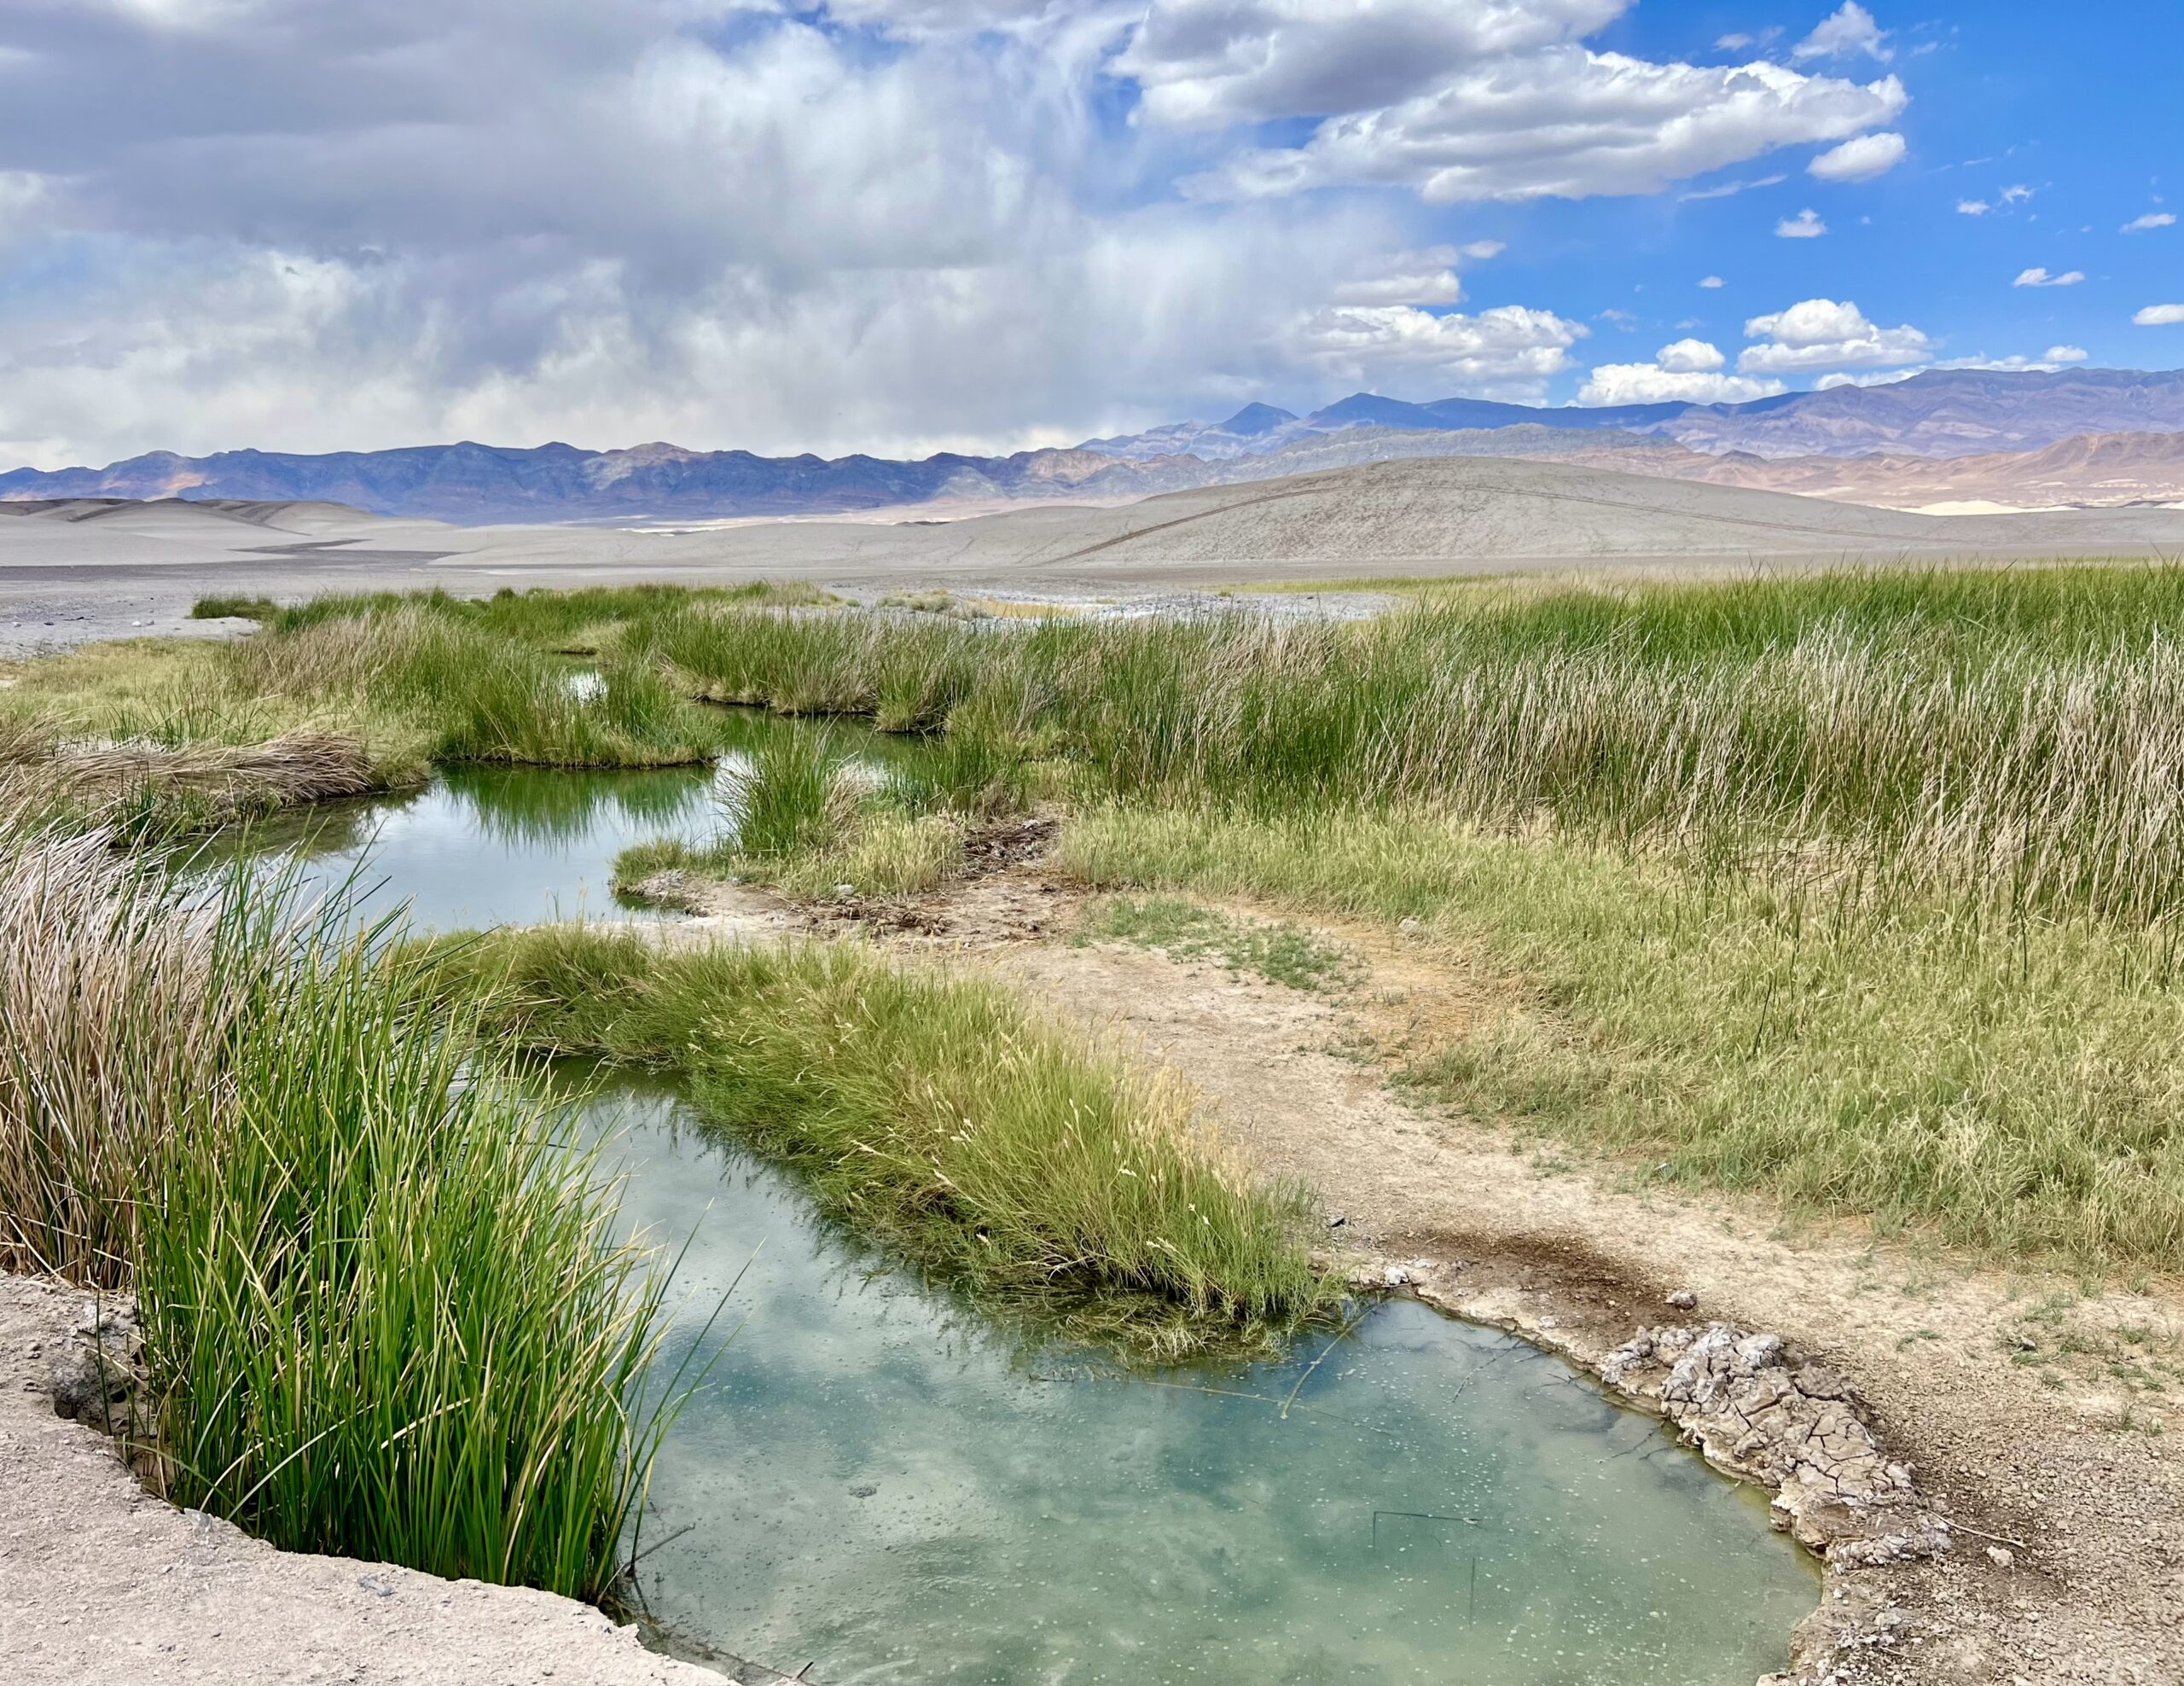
(1256, 418)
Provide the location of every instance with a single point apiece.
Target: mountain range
(1802, 437)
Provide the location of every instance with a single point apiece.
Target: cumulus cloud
(1421, 277)
(1845, 33)
(2040, 277)
(1805, 225)
(2065, 354)
(1562, 122)
(1507, 352)
(1688, 370)
(1822, 333)
(2152, 219)
(885, 224)
(1711, 281)
(1213, 63)
(1827, 383)
(2159, 315)
(1860, 159)
(629, 231)
(1972, 207)
(1689, 357)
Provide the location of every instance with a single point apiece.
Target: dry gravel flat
(80, 572)
(99, 1582)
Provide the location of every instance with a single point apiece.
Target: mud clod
(1750, 1403)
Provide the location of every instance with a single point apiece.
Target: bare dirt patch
(100, 1581)
(2030, 1411)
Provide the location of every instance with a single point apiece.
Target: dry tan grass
(112, 1024)
(217, 782)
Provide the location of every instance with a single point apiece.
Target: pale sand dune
(71, 572)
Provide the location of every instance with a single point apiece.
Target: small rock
(1409, 927)
(1337, 1221)
(1397, 1277)
(2000, 1556)
(846, 890)
(863, 1490)
(1683, 1299)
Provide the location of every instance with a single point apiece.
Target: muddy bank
(100, 1581)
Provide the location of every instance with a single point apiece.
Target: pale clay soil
(2068, 1563)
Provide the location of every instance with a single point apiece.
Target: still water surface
(876, 1481)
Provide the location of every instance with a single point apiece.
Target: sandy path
(100, 1581)
(2038, 1459)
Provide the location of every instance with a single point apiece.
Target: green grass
(2006, 736)
(2010, 1085)
(936, 1116)
(385, 1307)
(1279, 951)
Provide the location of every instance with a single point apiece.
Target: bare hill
(2092, 471)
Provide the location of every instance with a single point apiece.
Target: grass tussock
(382, 1307)
(935, 1115)
(114, 1032)
(385, 1309)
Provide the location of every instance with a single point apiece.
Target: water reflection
(488, 846)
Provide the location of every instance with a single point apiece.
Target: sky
(901, 226)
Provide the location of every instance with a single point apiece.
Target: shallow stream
(880, 1483)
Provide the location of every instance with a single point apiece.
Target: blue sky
(2001, 96)
(902, 225)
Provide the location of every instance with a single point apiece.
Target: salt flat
(85, 569)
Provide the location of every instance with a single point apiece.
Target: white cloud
(1730, 189)
(1507, 352)
(1709, 282)
(1805, 225)
(1212, 63)
(1561, 122)
(2040, 277)
(639, 226)
(741, 221)
(1615, 383)
(2016, 195)
(1849, 30)
(1860, 159)
(1972, 207)
(2159, 315)
(1688, 370)
(1822, 333)
(2152, 219)
(1827, 383)
(2064, 354)
(1690, 357)
(2045, 365)
(1424, 277)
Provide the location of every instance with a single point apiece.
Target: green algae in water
(875, 1480)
